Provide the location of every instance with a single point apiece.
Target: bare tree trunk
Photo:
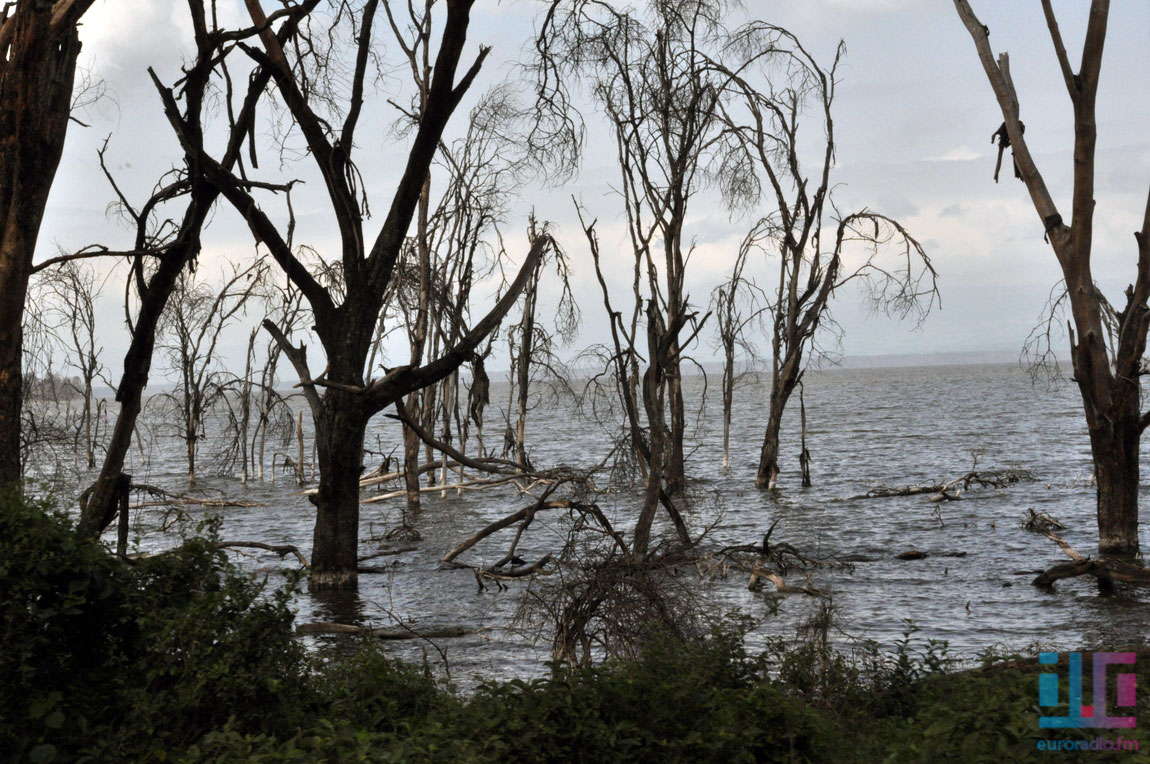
(728, 397)
(1115, 436)
(769, 456)
(411, 445)
(804, 454)
(784, 380)
(676, 462)
(339, 448)
(37, 71)
(192, 458)
(523, 367)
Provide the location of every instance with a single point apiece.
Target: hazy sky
(914, 116)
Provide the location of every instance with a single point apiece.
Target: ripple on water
(865, 428)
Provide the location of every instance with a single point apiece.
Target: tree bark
(339, 449)
(785, 379)
(768, 476)
(1114, 446)
(37, 71)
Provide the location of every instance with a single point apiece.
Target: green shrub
(123, 662)
(64, 620)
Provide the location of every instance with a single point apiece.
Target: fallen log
(169, 499)
(498, 575)
(281, 549)
(1106, 569)
(502, 523)
(952, 489)
(444, 632)
(469, 485)
(388, 552)
(759, 573)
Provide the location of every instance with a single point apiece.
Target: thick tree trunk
(37, 71)
(339, 446)
(1117, 473)
(1114, 445)
(768, 476)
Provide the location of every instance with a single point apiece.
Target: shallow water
(866, 427)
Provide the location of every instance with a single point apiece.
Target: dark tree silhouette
(346, 394)
(1107, 345)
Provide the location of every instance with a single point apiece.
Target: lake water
(866, 428)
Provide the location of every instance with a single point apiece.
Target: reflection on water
(867, 427)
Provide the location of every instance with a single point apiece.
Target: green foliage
(62, 624)
(120, 661)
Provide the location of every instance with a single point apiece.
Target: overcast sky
(914, 116)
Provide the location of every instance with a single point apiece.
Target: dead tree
(1108, 365)
(71, 290)
(164, 246)
(737, 304)
(648, 70)
(781, 89)
(39, 45)
(197, 317)
(533, 347)
(346, 395)
(255, 407)
(47, 437)
(643, 401)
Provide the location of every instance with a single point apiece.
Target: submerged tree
(650, 72)
(1107, 346)
(196, 319)
(70, 291)
(763, 115)
(345, 396)
(738, 304)
(164, 246)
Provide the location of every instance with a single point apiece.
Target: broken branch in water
(952, 489)
(1040, 522)
(442, 632)
(781, 586)
(167, 498)
(1106, 569)
(281, 549)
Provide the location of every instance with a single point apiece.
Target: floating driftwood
(1040, 522)
(1106, 569)
(953, 489)
(168, 499)
(403, 632)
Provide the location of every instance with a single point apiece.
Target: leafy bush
(119, 661)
